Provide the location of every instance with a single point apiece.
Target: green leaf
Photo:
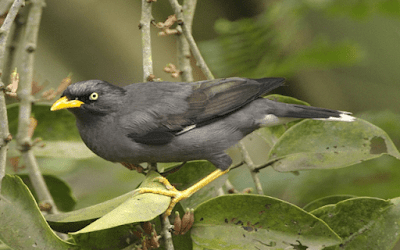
(59, 190)
(386, 120)
(257, 222)
(191, 173)
(269, 45)
(333, 199)
(78, 219)
(52, 126)
(122, 236)
(137, 208)
(58, 131)
(112, 238)
(363, 223)
(22, 225)
(272, 134)
(314, 144)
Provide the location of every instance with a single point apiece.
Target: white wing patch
(186, 129)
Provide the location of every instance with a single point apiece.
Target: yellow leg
(181, 195)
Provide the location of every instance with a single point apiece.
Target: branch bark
(251, 166)
(24, 94)
(145, 22)
(4, 131)
(167, 236)
(183, 49)
(192, 43)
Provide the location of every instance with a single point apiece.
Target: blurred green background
(335, 54)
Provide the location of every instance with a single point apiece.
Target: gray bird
(178, 121)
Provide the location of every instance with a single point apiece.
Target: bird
(178, 121)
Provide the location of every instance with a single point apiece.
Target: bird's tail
(302, 111)
(280, 113)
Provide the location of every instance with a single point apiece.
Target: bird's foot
(171, 191)
(177, 195)
(132, 166)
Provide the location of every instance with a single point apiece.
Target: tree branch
(250, 164)
(4, 131)
(187, 33)
(167, 236)
(184, 55)
(24, 94)
(145, 22)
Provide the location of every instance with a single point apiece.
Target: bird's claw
(171, 191)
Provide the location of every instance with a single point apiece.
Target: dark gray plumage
(173, 122)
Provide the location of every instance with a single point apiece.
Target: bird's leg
(177, 195)
(132, 166)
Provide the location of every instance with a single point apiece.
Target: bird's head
(93, 96)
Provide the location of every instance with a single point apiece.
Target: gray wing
(161, 111)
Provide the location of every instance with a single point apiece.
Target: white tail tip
(344, 117)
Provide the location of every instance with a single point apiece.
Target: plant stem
(184, 55)
(4, 131)
(145, 22)
(24, 94)
(167, 236)
(250, 164)
(193, 46)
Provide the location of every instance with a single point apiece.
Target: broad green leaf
(112, 238)
(59, 190)
(52, 126)
(333, 199)
(22, 225)
(363, 222)
(122, 236)
(137, 208)
(191, 173)
(78, 219)
(167, 166)
(272, 134)
(386, 120)
(60, 135)
(286, 99)
(55, 149)
(258, 222)
(314, 144)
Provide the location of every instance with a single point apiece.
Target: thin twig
(145, 22)
(192, 43)
(167, 236)
(24, 94)
(250, 164)
(230, 188)
(184, 55)
(4, 131)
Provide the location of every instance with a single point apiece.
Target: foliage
(275, 44)
(237, 221)
(347, 207)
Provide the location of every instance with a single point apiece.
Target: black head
(93, 96)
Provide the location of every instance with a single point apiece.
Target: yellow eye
(93, 96)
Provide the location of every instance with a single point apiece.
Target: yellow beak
(64, 103)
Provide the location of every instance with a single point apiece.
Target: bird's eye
(93, 96)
